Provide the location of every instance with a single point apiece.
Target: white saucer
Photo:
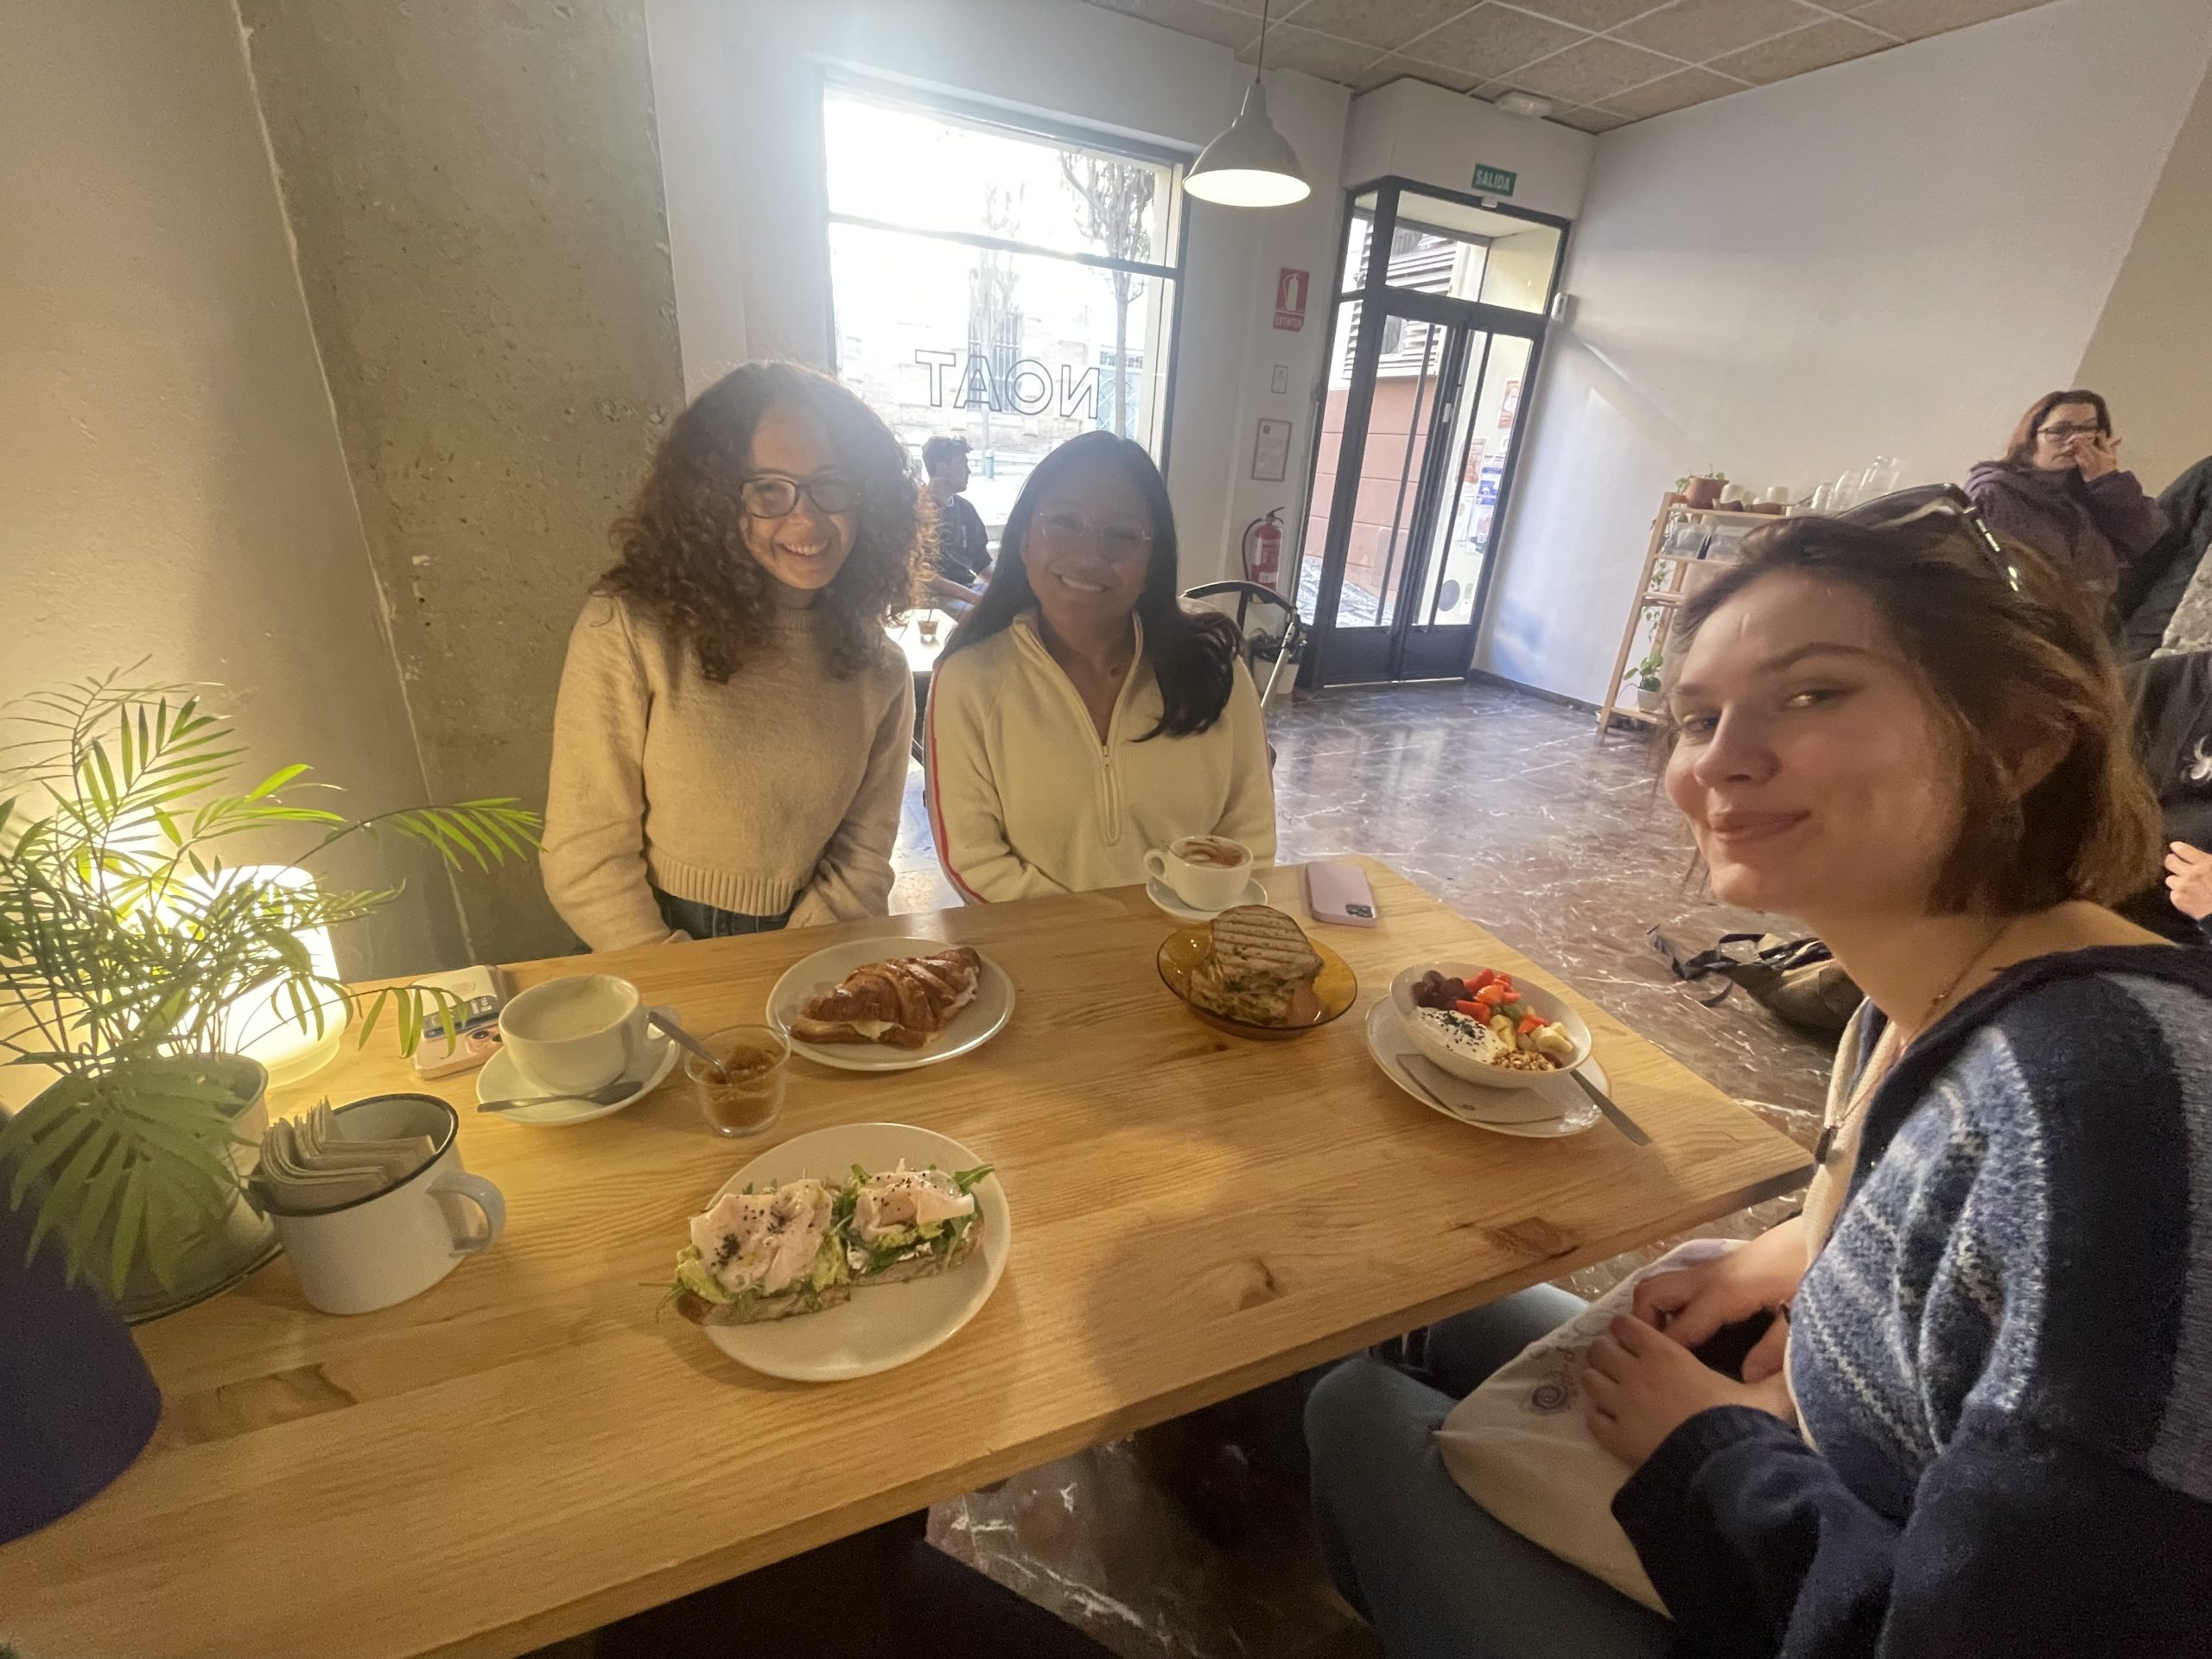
(503, 1078)
(1546, 1107)
(1164, 897)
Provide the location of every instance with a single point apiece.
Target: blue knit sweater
(2003, 1355)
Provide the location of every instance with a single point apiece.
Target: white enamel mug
(381, 1250)
(573, 1035)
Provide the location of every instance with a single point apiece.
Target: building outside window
(1011, 287)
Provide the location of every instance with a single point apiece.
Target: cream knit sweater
(782, 784)
(1025, 800)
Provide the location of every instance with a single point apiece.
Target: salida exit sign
(1494, 182)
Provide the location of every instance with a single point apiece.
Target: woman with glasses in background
(1081, 716)
(1981, 1422)
(2059, 488)
(730, 746)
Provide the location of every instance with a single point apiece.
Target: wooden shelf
(1661, 588)
(1720, 512)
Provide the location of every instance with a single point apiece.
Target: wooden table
(921, 657)
(525, 1452)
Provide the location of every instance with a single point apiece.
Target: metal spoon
(605, 1095)
(685, 1039)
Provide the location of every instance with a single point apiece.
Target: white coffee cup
(381, 1250)
(575, 1034)
(1205, 882)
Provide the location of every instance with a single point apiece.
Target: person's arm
(945, 588)
(2015, 1544)
(2131, 520)
(853, 877)
(593, 856)
(1249, 815)
(967, 820)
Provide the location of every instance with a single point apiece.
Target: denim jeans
(705, 922)
(1427, 1566)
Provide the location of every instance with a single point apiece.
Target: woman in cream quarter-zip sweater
(1081, 716)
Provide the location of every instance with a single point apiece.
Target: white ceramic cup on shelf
(575, 1034)
(1206, 871)
(398, 1242)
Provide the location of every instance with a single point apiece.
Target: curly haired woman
(729, 750)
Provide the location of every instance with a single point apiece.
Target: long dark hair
(1193, 653)
(2020, 447)
(681, 546)
(2007, 669)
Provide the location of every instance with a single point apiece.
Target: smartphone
(1339, 893)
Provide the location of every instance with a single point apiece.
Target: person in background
(1081, 716)
(963, 554)
(1984, 1425)
(730, 744)
(2059, 487)
(2167, 598)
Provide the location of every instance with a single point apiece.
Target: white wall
(2152, 354)
(1895, 255)
(171, 485)
(741, 155)
(1415, 131)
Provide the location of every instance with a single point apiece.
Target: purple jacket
(2088, 529)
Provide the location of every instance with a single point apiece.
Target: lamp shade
(1251, 165)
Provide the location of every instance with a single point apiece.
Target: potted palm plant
(129, 945)
(1648, 687)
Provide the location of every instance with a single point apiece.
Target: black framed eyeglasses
(1939, 506)
(775, 495)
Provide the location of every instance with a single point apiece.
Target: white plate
(503, 1078)
(1166, 899)
(1546, 1006)
(1544, 1109)
(973, 1026)
(882, 1326)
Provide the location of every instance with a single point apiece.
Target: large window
(1009, 287)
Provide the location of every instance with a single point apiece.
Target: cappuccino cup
(398, 1242)
(1206, 871)
(576, 1034)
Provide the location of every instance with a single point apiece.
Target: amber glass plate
(1335, 988)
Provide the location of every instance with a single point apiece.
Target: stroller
(1279, 642)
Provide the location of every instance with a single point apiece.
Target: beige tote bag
(1518, 1445)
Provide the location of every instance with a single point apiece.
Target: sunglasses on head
(1946, 508)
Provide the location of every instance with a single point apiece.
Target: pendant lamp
(1251, 165)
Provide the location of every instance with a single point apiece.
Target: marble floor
(1182, 1543)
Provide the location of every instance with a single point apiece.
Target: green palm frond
(126, 941)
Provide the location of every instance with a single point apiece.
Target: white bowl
(1539, 1001)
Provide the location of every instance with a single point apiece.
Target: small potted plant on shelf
(1645, 675)
(1702, 490)
(129, 951)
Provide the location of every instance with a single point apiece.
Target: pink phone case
(1339, 893)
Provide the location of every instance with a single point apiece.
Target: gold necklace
(1863, 1094)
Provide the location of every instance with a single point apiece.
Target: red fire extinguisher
(1262, 548)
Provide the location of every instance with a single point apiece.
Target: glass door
(1437, 322)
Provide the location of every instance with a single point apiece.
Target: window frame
(1031, 125)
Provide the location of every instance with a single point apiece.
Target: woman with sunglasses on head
(1081, 716)
(1983, 1423)
(730, 746)
(2060, 488)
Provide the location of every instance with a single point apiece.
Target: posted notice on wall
(1271, 452)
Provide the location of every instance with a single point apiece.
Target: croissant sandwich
(902, 1002)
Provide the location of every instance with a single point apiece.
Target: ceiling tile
(1493, 40)
(1593, 72)
(1675, 92)
(1916, 20)
(1834, 41)
(1323, 56)
(1376, 23)
(1584, 118)
(1596, 14)
(1696, 30)
(1225, 24)
(1398, 68)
